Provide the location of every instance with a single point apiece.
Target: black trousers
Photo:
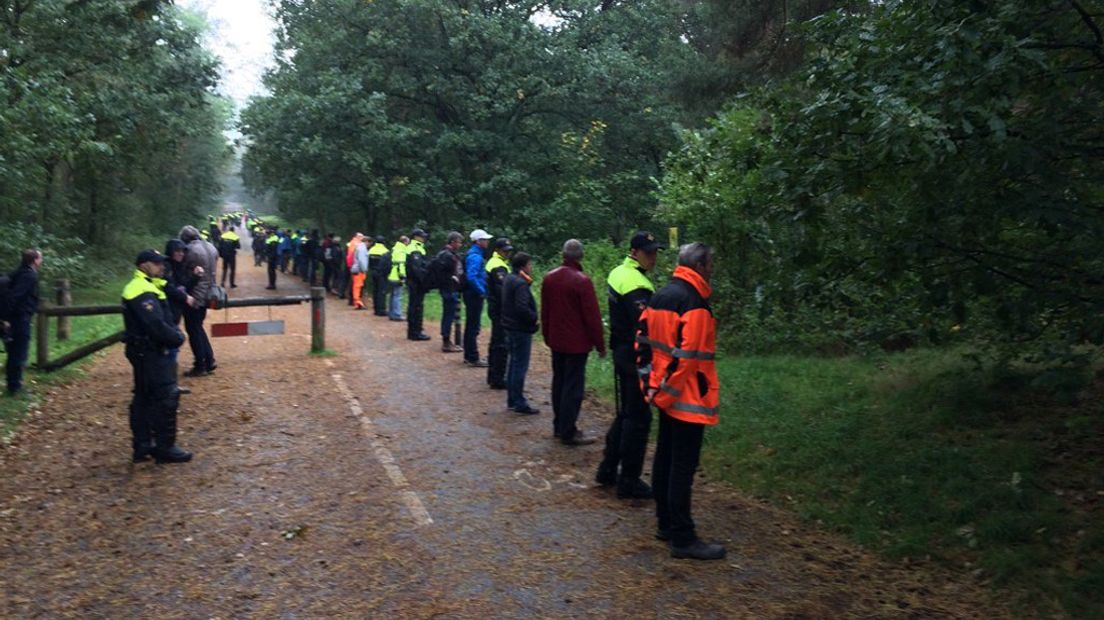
(17, 349)
(197, 338)
(473, 309)
(272, 271)
(415, 302)
(229, 264)
(627, 438)
(676, 460)
(379, 294)
(497, 354)
(156, 399)
(327, 276)
(568, 383)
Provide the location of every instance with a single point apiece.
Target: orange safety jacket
(676, 349)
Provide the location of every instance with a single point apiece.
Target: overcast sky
(241, 35)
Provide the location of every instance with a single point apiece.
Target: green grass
(919, 455)
(83, 329)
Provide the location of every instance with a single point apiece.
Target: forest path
(387, 481)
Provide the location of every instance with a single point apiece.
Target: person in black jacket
(177, 282)
(520, 320)
(22, 305)
(497, 269)
(150, 337)
(450, 275)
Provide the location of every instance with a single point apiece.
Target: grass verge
(83, 330)
(923, 458)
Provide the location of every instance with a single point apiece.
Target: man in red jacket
(572, 325)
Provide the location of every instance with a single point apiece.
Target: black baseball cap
(149, 256)
(645, 241)
(418, 232)
(503, 244)
(380, 239)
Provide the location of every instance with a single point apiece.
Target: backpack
(417, 269)
(441, 270)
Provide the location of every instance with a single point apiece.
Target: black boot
(172, 455)
(606, 476)
(141, 433)
(142, 451)
(698, 550)
(634, 488)
(165, 431)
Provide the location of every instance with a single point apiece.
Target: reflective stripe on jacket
(676, 349)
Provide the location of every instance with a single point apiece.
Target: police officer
(379, 266)
(397, 277)
(150, 337)
(272, 254)
(627, 439)
(416, 272)
(497, 269)
(228, 247)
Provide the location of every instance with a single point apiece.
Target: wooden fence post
(318, 319)
(64, 298)
(42, 339)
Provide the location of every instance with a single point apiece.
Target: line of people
(663, 343)
(663, 346)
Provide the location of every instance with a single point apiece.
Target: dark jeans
(627, 439)
(676, 460)
(327, 276)
(473, 306)
(568, 382)
(414, 310)
(229, 264)
(450, 306)
(17, 349)
(520, 345)
(197, 338)
(395, 310)
(497, 355)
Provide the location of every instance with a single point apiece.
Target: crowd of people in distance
(662, 342)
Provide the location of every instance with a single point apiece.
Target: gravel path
(386, 481)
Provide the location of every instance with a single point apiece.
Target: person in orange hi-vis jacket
(676, 349)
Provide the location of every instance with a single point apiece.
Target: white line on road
(413, 503)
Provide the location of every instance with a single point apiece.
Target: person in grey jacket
(202, 255)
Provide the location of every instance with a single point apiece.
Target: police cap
(645, 242)
(149, 256)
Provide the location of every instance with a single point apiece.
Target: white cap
(479, 234)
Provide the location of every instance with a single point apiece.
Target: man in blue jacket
(475, 291)
(22, 303)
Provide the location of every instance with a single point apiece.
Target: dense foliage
(384, 114)
(109, 122)
(934, 171)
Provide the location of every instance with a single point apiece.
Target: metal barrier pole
(64, 298)
(318, 319)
